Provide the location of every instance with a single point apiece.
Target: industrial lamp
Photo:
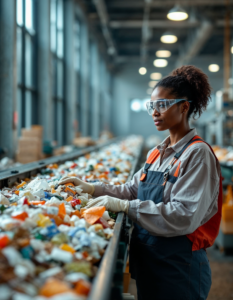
(168, 38)
(155, 76)
(163, 53)
(142, 71)
(160, 63)
(152, 83)
(177, 14)
(213, 68)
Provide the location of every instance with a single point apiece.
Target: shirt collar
(179, 145)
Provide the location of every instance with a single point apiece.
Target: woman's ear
(185, 107)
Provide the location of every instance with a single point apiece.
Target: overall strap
(194, 140)
(151, 159)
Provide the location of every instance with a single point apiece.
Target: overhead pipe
(194, 43)
(104, 19)
(227, 48)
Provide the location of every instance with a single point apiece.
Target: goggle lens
(162, 105)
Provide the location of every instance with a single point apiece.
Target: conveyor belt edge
(102, 285)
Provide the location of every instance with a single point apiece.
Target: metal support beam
(162, 24)
(151, 46)
(107, 98)
(7, 75)
(84, 80)
(227, 49)
(46, 114)
(104, 19)
(168, 3)
(146, 30)
(96, 92)
(153, 24)
(70, 92)
(124, 59)
(194, 43)
(232, 63)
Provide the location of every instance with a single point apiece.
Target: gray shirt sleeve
(193, 199)
(127, 191)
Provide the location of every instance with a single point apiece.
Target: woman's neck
(177, 135)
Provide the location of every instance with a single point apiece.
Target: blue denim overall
(166, 268)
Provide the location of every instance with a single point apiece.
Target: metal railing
(102, 284)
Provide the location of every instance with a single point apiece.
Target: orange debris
(68, 190)
(62, 211)
(83, 287)
(93, 214)
(69, 184)
(53, 287)
(37, 202)
(21, 216)
(69, 199)
(21, 185)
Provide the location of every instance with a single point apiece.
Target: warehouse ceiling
(132, 28)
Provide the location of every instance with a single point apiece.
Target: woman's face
(174, 116)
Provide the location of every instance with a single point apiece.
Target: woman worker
(175, 200)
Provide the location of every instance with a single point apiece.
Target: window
(57, 49)
(92, 73)
(102, 102)
(77, 67)
(26, 64)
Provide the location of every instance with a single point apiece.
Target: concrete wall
(128, 84)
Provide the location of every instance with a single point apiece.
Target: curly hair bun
(191, 83)
(195, 77)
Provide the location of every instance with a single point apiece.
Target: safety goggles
(162, 105)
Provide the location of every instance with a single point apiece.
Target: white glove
(112, 204)
(86, 187)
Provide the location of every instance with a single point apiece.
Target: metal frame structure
(27, 58)
(58, 57)
(108, 284)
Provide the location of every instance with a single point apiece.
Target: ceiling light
(163, 53)
(232, 49)
(219, 93)
(160, 63)
(168, 38)
(155, 76)
(149, 91)
(177, 14)
(111, 50)
(213, 68)
(152, 83)
(136, 105)
(230, 81)
(142, 71)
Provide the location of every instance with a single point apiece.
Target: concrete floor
(222, 276)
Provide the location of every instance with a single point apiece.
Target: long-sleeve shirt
(187, 204)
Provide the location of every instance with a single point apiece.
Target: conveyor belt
(113, 262)
(10, 176)
(101, 289)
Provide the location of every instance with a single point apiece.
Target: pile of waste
(50, 244)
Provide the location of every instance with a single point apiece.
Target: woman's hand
(111, 203)
(86, 187)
